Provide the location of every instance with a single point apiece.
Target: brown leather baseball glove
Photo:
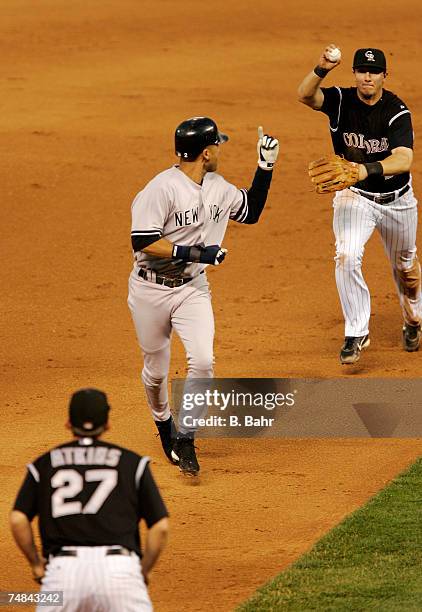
(333, 173)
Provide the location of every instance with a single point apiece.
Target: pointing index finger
(260, 132)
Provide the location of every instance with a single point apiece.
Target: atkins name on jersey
(90, 493)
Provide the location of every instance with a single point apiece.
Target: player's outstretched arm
(24, 538)
(156, 540)
(309, 91)
(249, 210)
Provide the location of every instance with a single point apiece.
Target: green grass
(370, 561)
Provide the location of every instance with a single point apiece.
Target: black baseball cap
(88, 411)
(372, 59)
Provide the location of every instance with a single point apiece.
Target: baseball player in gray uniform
(371, 127)
(179, 221)
(89, 496)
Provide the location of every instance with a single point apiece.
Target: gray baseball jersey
(174, 207)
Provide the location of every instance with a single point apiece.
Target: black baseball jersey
(364, 133)
(90, 493)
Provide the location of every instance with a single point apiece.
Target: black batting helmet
(194, 135)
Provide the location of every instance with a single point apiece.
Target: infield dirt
(91, 93)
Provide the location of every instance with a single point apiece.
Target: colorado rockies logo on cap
(373, 59)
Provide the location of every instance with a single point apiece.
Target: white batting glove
(267, 148)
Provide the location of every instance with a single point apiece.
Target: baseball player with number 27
(372, 135)
(179, 221)
(90, 496)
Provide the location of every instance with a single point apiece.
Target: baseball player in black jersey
(372, 128)
(89, 496)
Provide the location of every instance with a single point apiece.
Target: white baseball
(333, 55)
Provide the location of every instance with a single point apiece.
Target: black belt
(111, 551)
(165, 280)
(384, 198)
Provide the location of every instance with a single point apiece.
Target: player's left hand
(267, 148)
(333, 173)
(38, 570)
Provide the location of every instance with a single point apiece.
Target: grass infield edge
(371, 560)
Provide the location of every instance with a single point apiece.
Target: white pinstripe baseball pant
(355, 219)
(95, 582)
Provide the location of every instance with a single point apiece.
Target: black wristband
(181, 252)
(374, 168)
(187, 253)
(321, 72)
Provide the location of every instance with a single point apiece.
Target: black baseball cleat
(167, 432)
(411, 337)
(352, 347)
(184, 453)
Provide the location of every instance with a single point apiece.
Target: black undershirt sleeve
(141, 242)
(152, 506)
(256, 196)
(26, 500)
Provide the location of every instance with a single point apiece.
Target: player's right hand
(38, 570)
(324, 62)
